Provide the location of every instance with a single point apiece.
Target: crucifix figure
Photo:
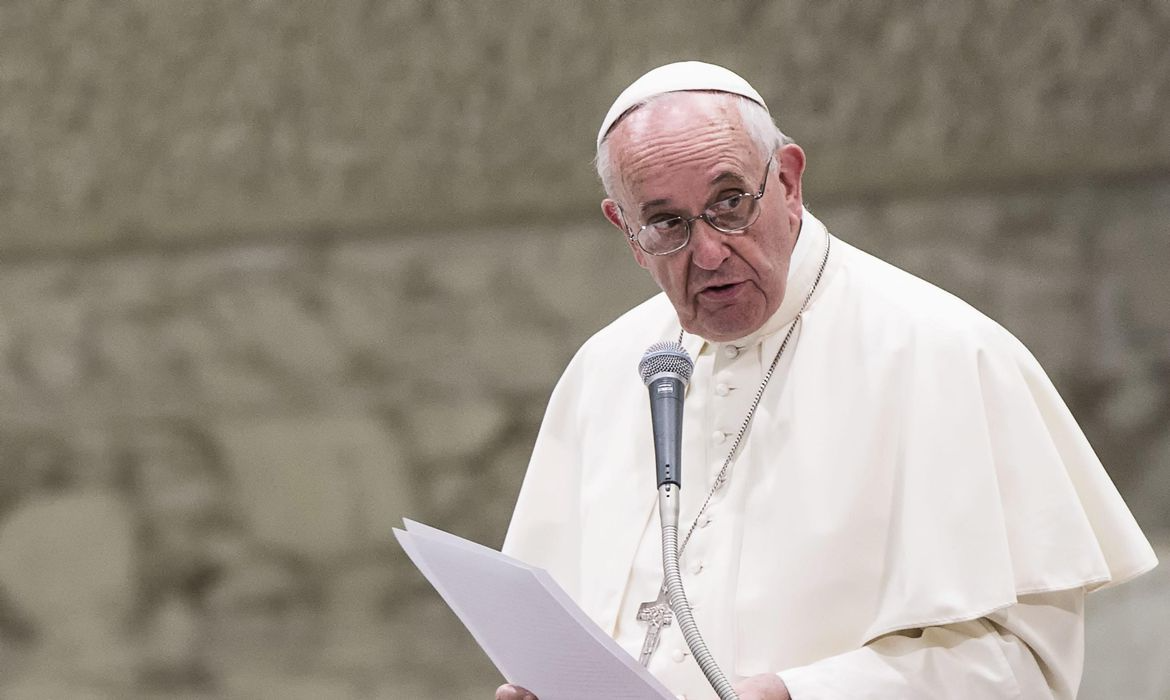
(657, 613)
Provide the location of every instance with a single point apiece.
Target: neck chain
(721, 477)
(657, 613)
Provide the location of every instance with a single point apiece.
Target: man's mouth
(721, 292)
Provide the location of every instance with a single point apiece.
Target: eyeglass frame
(634, 236)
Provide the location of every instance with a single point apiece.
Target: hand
(766, 686)
(513, 692)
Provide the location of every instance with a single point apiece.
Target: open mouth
(722, 291)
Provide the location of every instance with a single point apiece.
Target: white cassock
(914, 513)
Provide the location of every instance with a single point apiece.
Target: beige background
(274, 275)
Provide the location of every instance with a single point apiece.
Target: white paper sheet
(527, 625)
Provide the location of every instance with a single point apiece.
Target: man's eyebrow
(727, 175)
(652, 204)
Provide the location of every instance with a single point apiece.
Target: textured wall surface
(147, 121)
(275, 275)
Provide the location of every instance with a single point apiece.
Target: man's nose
(708, 245)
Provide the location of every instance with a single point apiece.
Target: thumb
(513, 692)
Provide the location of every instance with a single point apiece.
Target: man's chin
(727, 330)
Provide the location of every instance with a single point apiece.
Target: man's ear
(790, 168)
(613, 214)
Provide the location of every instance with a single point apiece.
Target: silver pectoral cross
(657, 613)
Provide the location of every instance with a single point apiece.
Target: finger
(765, 686)
(513, 692)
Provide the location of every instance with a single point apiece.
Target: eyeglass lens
(731, 215)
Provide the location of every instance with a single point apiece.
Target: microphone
(666, 369)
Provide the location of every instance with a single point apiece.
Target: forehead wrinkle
(682, 130)
(678, 149)
(716, 155)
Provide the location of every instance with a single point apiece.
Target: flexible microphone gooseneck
(666, 370)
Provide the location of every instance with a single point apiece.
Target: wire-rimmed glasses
(732, 215)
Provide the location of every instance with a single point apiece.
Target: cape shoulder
(975, 413)
(910, 308)
(610, 357)
(943, 474)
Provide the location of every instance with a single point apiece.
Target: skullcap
(677, 77)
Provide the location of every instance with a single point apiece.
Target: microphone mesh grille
(666, 356)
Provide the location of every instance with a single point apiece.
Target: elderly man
(885, 497)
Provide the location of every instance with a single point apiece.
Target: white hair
(760, 127)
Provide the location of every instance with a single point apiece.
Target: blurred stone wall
(275, 275)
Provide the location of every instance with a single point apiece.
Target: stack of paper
(529, 627)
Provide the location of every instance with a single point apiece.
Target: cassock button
(695, 566)
(731, 351)
(678, 655)
(722, 389)
(718, 437)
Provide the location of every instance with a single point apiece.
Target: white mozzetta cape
(915, 467)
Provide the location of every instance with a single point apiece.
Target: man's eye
(667, 225)
(731, 203)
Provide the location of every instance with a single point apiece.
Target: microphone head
(666, 357)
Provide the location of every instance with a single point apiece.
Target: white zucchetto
(677, 77)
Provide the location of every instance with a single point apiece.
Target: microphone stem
(668, 507)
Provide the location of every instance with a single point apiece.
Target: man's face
(677, 156)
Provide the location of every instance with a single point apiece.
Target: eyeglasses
(732, 214)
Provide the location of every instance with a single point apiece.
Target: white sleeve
(1033, 650)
